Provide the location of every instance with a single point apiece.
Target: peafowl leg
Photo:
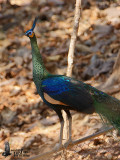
(61, 129)
(70, 127)
(61, 133)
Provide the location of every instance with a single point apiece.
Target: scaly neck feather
(39, 70)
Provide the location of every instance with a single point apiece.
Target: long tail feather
(107, 107)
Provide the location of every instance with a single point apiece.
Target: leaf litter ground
(26, 122)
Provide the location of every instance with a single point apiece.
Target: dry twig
(74, 37)
(114, 78)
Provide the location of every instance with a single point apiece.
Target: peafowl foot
(58, 146)
(69, 142)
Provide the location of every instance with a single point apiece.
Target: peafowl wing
(69, 92)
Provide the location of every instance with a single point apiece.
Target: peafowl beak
(26, 34)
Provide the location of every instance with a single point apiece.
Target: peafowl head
(30, 33)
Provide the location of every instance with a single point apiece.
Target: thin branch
(117, 62)
(74, 37)
(114, 77)
(47, 154)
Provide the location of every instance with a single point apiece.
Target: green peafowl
(60, 92)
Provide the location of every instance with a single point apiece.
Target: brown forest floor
(25, 121)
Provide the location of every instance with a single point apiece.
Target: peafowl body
(64, 93)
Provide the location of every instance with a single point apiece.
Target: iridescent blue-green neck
(39, 70)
